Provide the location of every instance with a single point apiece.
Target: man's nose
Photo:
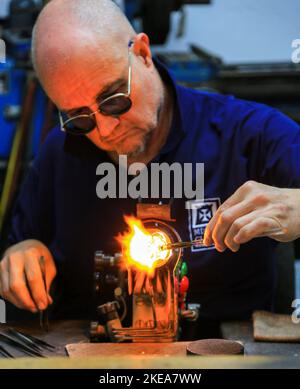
(106, 124)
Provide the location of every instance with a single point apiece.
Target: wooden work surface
(167, 355)
(130, 349)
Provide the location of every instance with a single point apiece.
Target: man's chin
(133, 149)
(131, 152)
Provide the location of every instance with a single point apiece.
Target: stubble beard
(146, 139)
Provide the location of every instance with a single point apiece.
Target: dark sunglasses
(114, 105)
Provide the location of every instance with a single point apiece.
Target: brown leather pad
(274, 327)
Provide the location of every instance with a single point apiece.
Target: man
(102, 78)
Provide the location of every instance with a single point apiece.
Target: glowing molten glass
(143, 248)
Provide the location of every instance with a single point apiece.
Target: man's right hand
(21, 278)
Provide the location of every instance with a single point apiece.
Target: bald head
(82, 57)
(68, 31)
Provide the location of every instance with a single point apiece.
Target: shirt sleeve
(281, 151)
(33, 213)
(267, 139)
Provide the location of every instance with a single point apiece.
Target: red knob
(184, 285)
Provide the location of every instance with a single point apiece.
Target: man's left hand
(255, 210)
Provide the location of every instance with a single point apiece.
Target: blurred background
(240, 47)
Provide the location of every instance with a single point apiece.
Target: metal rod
(5, 353)
(23, 339)
(21, 346)
(41, 342)
(181, 245)
(200, 242)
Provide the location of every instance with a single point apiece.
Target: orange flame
(142, 247)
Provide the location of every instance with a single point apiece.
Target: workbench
(257, 354)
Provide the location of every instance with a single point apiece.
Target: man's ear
(142, 47)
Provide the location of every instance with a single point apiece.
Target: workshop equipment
(16, 33)
(148, 281)
(16, 89)
(19, 143)
(155, 18)
(12, 80)
(26, 112)
(189, 68)
(154, 297)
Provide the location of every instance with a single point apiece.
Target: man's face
(86, 82)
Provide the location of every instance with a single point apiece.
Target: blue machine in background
(12, 84)
(11, 92)
(191, 67)
(13, 73)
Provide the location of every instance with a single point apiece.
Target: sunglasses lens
(81, 124)
(116, 106)
(85, 122)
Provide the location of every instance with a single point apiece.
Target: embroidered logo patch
(200, 213)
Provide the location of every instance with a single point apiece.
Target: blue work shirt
(236, 140)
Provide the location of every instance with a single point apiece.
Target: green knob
(184, 269)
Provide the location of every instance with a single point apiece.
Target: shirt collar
(177, 130)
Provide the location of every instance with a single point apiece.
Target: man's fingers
(240, 233)
(22, 275)
(17, 282)
(225, 219)
(50, 299)
(209, 229)
(246, 199)
(236, 227)
(4, 284)
(50, 275)
(35, 279)
(258, 227)
(237, 197)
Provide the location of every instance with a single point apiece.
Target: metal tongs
(200, 242)
(181, 245)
